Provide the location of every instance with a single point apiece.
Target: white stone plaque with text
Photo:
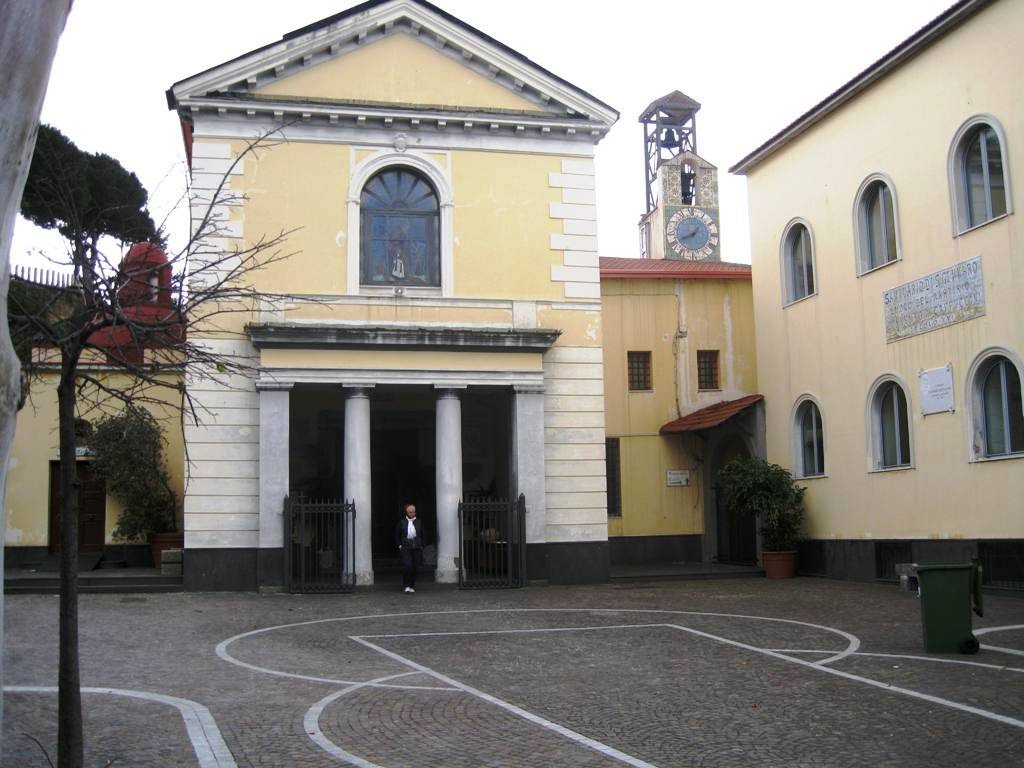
(937, 390)
(942, 298)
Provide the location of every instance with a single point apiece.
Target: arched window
(890, 426)
(979, 185)
(797, 262)
(876, 233)
(399, 230)
(999, 415)
(983, 176)
(810, 439)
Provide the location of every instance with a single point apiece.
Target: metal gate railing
(319, 552)
(492, 543)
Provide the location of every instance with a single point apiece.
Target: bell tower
(681, 220)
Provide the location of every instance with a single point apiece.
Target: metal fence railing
(492, 543)
(319, 548)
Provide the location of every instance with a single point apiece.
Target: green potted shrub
(129, 448)
(767, 492)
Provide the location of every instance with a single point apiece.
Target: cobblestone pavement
(713, 673)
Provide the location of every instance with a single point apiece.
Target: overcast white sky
(754, 67)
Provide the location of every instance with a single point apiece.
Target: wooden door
(92, 503)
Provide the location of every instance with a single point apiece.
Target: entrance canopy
(711, 416)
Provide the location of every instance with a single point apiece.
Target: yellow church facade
(437, 329)
(888, 288)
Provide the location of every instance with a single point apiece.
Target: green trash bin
(948, 593)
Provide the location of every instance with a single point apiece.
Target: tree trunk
(28, 42)
(69, 698)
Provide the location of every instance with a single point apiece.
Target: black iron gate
(492, 543)
(319, 552)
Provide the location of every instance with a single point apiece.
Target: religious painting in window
(399, 231)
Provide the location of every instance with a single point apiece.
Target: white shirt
(411, 529)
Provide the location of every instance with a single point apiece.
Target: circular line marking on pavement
(853, 643)
(311, 721)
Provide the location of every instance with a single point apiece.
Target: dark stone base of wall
(210, 570)
(576, 563)
(1002, 560)
(637, 550)
(21, 557)
(218, 570)
(132, 555)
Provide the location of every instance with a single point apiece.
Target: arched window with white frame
(889, 426)
(400, 237)
(997, 410)
(400, 243)
(808, 439)
(876, 225)
(798, 278)
(978, 171)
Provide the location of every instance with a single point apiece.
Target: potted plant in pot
(754, 487)
(129, 448)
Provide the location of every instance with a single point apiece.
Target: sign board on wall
(677, 477)
(942, 298)
(936, 390)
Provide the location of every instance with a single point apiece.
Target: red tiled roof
(711, 416)
(673, 269)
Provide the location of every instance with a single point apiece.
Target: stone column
(274, 404)
(448, 468)
(528, 458)
(357, 476)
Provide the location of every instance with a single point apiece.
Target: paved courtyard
(703, 673)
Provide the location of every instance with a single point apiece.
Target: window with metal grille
(639, 369)
(611, 460)
(707, 369)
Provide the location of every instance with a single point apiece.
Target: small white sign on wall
(677, 477)
(936, 387)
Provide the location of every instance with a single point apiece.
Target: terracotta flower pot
(158, 542)
(779, 565)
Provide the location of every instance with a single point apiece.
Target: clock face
(692, 233)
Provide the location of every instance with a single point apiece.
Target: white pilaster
(448, 462)
(274, 407)
(528, 443)
(357, 476)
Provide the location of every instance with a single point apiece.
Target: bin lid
(944, 567)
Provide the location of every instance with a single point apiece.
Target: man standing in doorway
(409, 537)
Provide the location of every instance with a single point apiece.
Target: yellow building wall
(672, 319)
(501, 223)
(36, 444)
(833, 345)
(399, 69)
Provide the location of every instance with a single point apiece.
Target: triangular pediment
(402, 69)
(406, 54)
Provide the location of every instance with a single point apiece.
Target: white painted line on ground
(312, 722)
(513, 631)
(989, 630)
(937, 659)
(857, 678)
(1001, 649)
(579, 738)
(853, 643)
(207, 742)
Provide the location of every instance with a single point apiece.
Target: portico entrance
(409, 427)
